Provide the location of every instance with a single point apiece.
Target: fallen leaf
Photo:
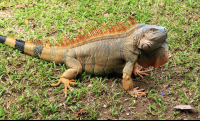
(39, 117)
(190, 56)
(198, 64)
(26, 22)
(19, 6)
(53, 26)
(75, 115)
(183, 107)
(8, 70)
(29, 110)
(90, 85)
(11, 12)
(80, 110)
(104, 106)
(7, 118)
(30, 5)
(139, 7)
(162, 4)
(195, 19)
(10, 81)
(131, 107)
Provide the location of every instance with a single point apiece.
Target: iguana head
(153, 46)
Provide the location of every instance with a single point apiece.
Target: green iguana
(104, 51)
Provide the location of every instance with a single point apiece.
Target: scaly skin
(102, 55)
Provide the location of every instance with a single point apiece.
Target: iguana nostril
(145, 46)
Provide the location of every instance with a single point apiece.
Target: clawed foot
(66, 83)
(140, 73)
(137, 92)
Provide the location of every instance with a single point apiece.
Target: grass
(25, 91)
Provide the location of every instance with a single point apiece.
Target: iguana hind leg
(68, 76)
(128, 83)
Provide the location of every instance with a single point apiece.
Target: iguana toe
(66, 83)
(140, 73)
(137, 92)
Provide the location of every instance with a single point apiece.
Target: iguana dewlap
(105, 51)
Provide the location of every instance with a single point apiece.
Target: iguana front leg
(74, 68)
(128, 83)
(138, 72)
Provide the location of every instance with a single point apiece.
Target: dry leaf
(53, 26)
(162, 4)
(75, 115)
(39, 117)
(198, 64)
(7, 69)
(195, 19)
(30, 5)
(26, 22)
(19, 6)
(190, 56)
(29, 110)
(139, 7)
(183, 107)
(7, 118)
(11, 12)
(10, 81)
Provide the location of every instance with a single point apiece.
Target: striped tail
(56, 54)
(18, 44)
(24, 47)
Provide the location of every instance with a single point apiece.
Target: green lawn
(25, 91)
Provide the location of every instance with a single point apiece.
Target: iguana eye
(152, 29)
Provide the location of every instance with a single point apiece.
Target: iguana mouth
(164, 37)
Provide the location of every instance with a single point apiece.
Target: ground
(25, 91)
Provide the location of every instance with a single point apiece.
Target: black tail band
(2, 39)
(19, 44)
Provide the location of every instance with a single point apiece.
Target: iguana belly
(103, 67)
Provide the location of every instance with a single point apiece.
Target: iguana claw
(66, 83)
(137, 92)
(140, 73)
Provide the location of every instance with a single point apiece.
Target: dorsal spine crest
(103, 30)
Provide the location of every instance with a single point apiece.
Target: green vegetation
(25, 91)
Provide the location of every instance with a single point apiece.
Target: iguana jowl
(104, 51)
